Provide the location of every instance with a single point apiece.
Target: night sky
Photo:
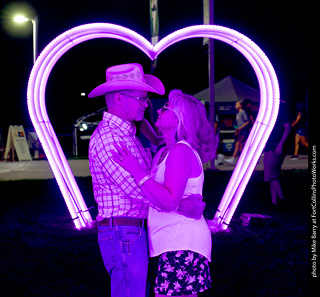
(279, 30)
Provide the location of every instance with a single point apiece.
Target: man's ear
(117, 98)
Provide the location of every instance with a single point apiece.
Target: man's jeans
(124, 250)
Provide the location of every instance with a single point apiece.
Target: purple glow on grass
(269, 104)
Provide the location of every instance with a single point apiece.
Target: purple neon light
(269, 93)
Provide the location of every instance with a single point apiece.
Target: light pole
(34, 21)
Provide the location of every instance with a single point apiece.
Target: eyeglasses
(141, 99)
(165, 107)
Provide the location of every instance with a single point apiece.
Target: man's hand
(192, 206)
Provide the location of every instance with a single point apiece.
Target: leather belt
(122, 222)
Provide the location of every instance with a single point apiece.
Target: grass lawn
(41, 254)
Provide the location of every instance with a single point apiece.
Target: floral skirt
(182, 273)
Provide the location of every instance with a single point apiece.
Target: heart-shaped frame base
(268, 111)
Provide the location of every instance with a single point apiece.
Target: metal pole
(75, 142)
(154, 28)
(35, 37)
(210, 6)
(35, 55)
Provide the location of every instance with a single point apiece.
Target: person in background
(242, 133)
(182, 244)
(247, 107)
(300, 124)
(219, 157)
(274, 153)
(122, 207)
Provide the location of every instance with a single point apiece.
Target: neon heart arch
(268, 111)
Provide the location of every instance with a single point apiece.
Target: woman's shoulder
(186, 157)
(182, 149)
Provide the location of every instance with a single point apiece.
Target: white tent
(229, 90)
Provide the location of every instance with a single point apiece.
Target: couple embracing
(151, 207)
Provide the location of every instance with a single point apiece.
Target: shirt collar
(116, 122)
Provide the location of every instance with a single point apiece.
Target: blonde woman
(182, 244)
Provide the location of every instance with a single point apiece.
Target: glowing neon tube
(269, 104)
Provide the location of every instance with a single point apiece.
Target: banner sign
(17, 141)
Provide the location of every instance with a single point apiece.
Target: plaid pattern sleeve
(115, 190)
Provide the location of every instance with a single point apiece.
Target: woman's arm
(297, 120)
(169, 195)
(150, 133)
(251, 119)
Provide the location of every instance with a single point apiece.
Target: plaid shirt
(115, 190)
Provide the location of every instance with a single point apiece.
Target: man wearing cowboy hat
(122, 208)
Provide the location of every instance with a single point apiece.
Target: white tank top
(170, 231)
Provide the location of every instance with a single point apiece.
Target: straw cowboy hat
(128, 77)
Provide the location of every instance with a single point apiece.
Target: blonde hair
(194, 126)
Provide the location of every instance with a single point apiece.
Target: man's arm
(192, 206)
(243, 126)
